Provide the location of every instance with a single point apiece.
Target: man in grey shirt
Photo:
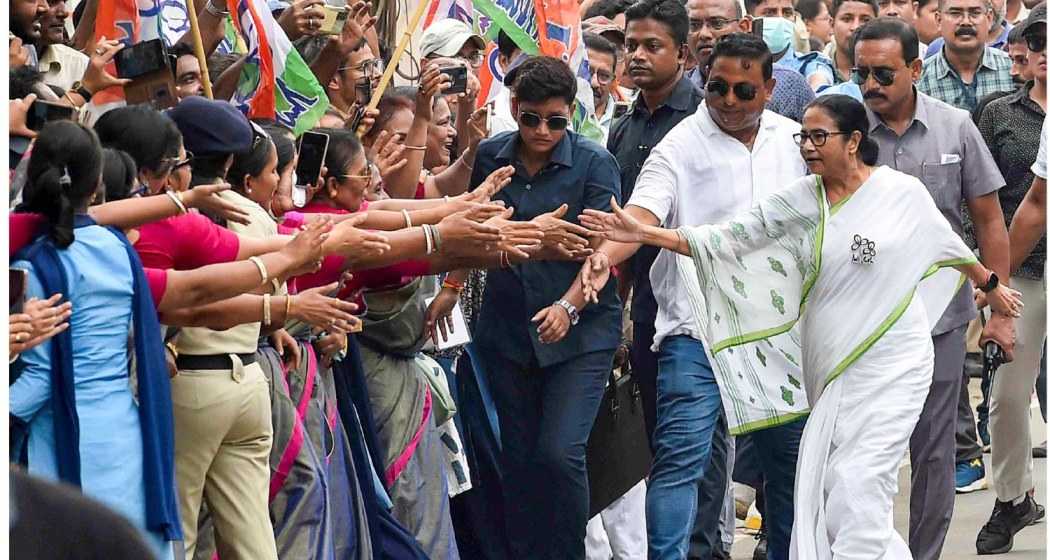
(941, 146)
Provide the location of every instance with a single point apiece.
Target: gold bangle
(408, 219)
(262, 269)
(178, 202)
(266, 309)
(288, 307)
(417, 148)
(276, 285)
(171, 348)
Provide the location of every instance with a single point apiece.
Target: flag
(232, 42)
(548, 28)
(167, 19)
(463, 10)
(276, 82)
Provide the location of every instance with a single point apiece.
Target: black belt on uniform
(211, 361)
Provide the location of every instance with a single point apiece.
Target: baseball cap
(1037, 15)
(445, 37)
(211, 127)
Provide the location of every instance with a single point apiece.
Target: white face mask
(777, 32)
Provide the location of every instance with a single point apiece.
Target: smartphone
(458, 76)
(313, 147)
(17, 281)
(334, 19)
(756, 27)
(298, 196)
(42, 112)
(620, 109)
(141, 59)
(148, 67)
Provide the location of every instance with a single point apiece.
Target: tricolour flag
(276, 82)
(549, 28)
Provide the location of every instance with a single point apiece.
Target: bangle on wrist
(288, 307)
(408, 219)
(453, 285)
(216, 11)
(416, 148)
(262, 269)
(266, 309)
(428, 234)
(178, 202)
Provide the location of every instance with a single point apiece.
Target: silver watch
(574, 314)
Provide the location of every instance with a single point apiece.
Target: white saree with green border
(801, 304)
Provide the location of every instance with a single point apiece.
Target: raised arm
(1029, 223)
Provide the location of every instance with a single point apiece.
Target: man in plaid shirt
(966, 69)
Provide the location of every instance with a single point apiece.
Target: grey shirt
(942, 148)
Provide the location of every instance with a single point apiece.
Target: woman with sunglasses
(862, 263)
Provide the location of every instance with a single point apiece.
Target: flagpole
(198, 47)
(400, 50)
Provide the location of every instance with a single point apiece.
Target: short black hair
(179, 50)
(836, 4)
(1016, 35)
(889, 28)
(541, 78)
(809, 9)
(606, 8)
(849, 116)
(596, 42)
(671, 13)
(746, 46)
(507, 47)
(146, 134)
(119, 173)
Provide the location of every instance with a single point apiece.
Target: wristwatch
(574, 314)
(79, 89)
(993, 283)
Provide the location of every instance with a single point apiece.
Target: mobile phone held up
(334, 20)
(148, 67)
(458, 78)
(42, 112)
(17, 282)
(313, 147)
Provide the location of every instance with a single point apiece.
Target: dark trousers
(545, 417)
(705, 543)
(933, 450)
(644, 365)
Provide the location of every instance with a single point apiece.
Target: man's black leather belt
(211, 361)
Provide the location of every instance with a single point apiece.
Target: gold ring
(100, 50)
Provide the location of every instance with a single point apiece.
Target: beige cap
(446, 37)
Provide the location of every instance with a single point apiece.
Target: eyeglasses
(604, 78)
(532, 120)
(884, 76)
(818, 137)
(368, 178)
(959, 14)
(369, 67)
(743, 91)
(183, 162)
(715, 23)
(474, 60)
(1036, 42)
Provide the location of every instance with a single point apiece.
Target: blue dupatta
(154, 389)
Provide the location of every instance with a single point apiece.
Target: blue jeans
(687, 409)
(688, 406)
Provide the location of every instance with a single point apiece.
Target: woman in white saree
(829, 268)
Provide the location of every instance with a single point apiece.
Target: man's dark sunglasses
(884, 76)
(532, 120)
(743, 91)
(1036, 42)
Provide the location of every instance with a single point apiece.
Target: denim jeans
(776, 449)
(688, 406)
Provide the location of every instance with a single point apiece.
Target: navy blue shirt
(631, 138)
(582, 174)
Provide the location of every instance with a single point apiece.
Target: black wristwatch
(79, 89)
(993, 283)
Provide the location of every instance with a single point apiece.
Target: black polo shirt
(631, 138)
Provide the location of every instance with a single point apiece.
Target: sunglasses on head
(742, 90)
(532, 120)
(1036, 42)
(884, 76)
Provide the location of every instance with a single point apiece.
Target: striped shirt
(940, 81)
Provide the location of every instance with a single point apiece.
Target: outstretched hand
(617, 225)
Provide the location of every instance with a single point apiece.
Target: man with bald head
(711, 19)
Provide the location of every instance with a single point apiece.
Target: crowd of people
(797, 225)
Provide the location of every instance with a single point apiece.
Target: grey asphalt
(971, 512)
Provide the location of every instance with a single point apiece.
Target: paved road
(971, 512)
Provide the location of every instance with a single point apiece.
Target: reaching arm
(1029, 223)
(990, 227)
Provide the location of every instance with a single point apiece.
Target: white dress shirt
(698, 175)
